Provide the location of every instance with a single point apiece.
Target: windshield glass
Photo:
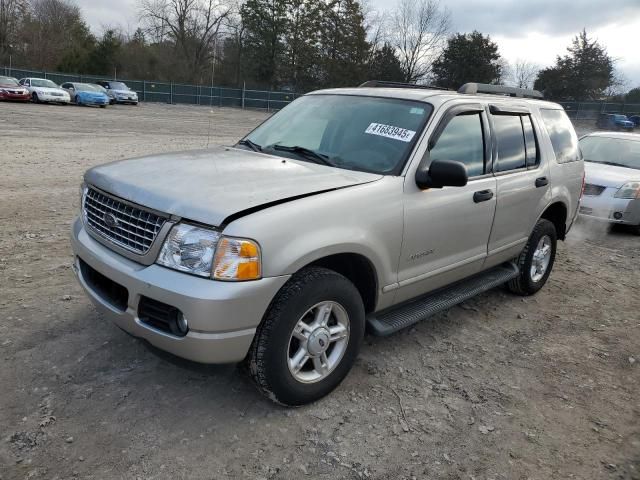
(85, 87)
(369, 134)
(612, 151)
(118, 86)
(8, 81)
(620, 117)
(98, 88)
(41, 82)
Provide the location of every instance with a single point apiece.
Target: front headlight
(204, 252)
(629, 190)
(189, 249)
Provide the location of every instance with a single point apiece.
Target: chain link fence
(169, 92)
(590, 110)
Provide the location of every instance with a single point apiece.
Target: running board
(396, 318)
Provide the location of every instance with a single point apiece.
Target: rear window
(563, 137)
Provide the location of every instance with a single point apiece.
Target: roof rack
(385, 84)
(473, 88)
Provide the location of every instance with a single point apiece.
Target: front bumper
(43, 97)
(124, 100)
(93, 101)
(605, 207)
(222, 316)
(18, 97)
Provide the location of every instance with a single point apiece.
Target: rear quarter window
(562, 134)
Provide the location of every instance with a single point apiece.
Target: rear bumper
(222, 316)
(605, 207)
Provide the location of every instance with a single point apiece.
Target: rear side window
(563, 137)
(462, 140)
(511, 146)
(530, 142)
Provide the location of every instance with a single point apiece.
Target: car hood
(609, 175)
(625, 123)
(123, 92)
(212, 185)
(49, 90)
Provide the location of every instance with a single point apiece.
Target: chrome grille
(125, 225)
(593, 190)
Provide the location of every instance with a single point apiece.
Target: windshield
(85, 87)
(611, 151)
(620, 117)
(40, 82)
(118, 86)
(8, 81)
(98, 88)
(369, 134)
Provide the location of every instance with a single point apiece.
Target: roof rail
(473, 88)
(385, 84)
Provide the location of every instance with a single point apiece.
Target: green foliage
(470, 57)
(585, 73)
(633, 96)
(103, 59)
(385, 65)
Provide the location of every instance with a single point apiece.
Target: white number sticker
(389, 131)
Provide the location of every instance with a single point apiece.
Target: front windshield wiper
(248, 143)
(305, 152)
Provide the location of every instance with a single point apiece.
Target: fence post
(171, 94)
(244, 86)
(269, 101)
(144, 90)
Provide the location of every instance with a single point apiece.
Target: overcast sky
(535, 30)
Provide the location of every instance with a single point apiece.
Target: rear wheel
(309, 338)
(536, 260)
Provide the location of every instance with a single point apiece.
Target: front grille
(110, 291)
(125, 225)
(593, 190)
(160, 316)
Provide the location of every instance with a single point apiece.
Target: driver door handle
(483, 196)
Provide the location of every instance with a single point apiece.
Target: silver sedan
(612, 178)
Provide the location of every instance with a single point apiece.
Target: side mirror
(442, 173)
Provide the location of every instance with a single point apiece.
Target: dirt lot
(498, 388)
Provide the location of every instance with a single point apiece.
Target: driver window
(462, 140)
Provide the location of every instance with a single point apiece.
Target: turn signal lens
(237, 260)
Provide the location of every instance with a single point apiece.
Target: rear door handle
(482, 196)
(542, 182)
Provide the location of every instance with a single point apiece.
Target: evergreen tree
(585, 73)
(470, 57)
(385, 65)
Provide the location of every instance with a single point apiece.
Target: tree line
(298, 45)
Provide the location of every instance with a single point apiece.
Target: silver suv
(357, 209)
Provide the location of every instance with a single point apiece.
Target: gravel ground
(498, 388)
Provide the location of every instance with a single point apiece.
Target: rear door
(523, 183)
(446, 230)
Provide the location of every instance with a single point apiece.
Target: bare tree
(419, 33)
(524, 73)
(618, 86)
(193, 26)
(12, 14)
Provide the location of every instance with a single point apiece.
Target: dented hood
(212, 185)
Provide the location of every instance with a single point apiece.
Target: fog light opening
(617, 215)
(182, 324)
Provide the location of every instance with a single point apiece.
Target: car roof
(430, 95)
(617, 135)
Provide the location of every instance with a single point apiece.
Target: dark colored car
(614, 121)
(635, 119)
(10, 89)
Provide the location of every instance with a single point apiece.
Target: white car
(43, 90)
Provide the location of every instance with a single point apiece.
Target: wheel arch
(557, 213)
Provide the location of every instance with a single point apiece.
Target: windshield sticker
(390, 131)
(417, 111)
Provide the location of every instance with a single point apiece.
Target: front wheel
(34, 98)
(536, 260)
(309, 339)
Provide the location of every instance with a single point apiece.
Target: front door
(447, 230)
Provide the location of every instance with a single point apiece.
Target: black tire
(267, 360)
(103, 106)
(636, 229)
(524, 284)
(34, 98)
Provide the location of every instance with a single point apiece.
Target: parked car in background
(614, 121)
(636, 120)
(10, 89)
(612, 178)
(86, 94)
(45, 91)
(376, 206)
(119, 93)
